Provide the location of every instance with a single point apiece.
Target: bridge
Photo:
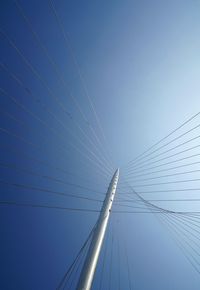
(100, 155)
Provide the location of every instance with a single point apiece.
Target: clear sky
(85, 87)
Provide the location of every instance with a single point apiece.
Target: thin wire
(164, 176)
(44, 162)
(36, 73)
(14, 167)
(77, 269)
(39, 189)
(28, 91)
(187, 121)
(171, 149)
(166, 144)
(181, 247)
(130, 206)
(66, 40)
(147, 203)
(178, 218)
(75, 260)
(167, 182)
(170, 162)
(165, 169)
(18, 204)
(192, 217)
(180, 221)
(165, 190)
(185, 232)
(38, 147)
(128, 267)
(158, 200)
(63, 148)
(48, 177)
(97, 161)
(151, 212)
(177, 225)
(163, 212)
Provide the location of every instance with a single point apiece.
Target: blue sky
(78, 100)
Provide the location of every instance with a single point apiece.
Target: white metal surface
(87, 273)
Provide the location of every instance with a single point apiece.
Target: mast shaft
(89, 267)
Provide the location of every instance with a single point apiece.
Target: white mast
(87, 273)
